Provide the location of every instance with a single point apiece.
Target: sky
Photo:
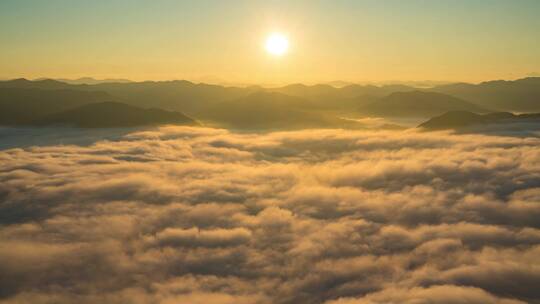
(223, 41)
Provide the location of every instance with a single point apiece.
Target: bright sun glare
(277, 44)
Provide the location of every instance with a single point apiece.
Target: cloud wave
(195, 215)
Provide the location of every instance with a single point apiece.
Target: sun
(277, 44)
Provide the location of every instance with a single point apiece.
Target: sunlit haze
(220, 41)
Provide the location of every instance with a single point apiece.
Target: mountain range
(89, 80)
(522, 95)
(417, 104)
(29, 107)
(461, 119)
(113, 115)
(272, 110)
(292, 106)
(19, 106)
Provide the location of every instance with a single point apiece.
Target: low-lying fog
(200, 215)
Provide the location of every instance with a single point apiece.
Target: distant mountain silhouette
(178, 95)
(521, 95)
(417, 104)
(183, 96)
(21, 106)
(463, 119)
(196, 99)
(347, 98)
(349, 91)
(44, 84)
(296, 106)
(113, 114)
(339, 83)
(90, 80)
(271, 110)
(305, 91)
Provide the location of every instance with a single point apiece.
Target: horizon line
(333, 83)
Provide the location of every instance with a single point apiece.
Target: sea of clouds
(199, 215)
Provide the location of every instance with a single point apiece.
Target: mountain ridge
(462, 119)
(111, 114)
(417, 104)
(521, 95)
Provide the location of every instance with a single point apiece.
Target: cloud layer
(194, 215)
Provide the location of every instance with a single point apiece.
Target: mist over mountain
(178, 95)
(90, 80)
(338, 83)
(290, 106)
(463, 119)
(113, 115)
(522, 95)
(24, 105)
(326, 96)
(29, 106)
(191, 98)
(271, 110)
(417, 104)
(181, 96)
(44, 84)
(203, 101)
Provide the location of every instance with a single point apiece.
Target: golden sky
(224, 40)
